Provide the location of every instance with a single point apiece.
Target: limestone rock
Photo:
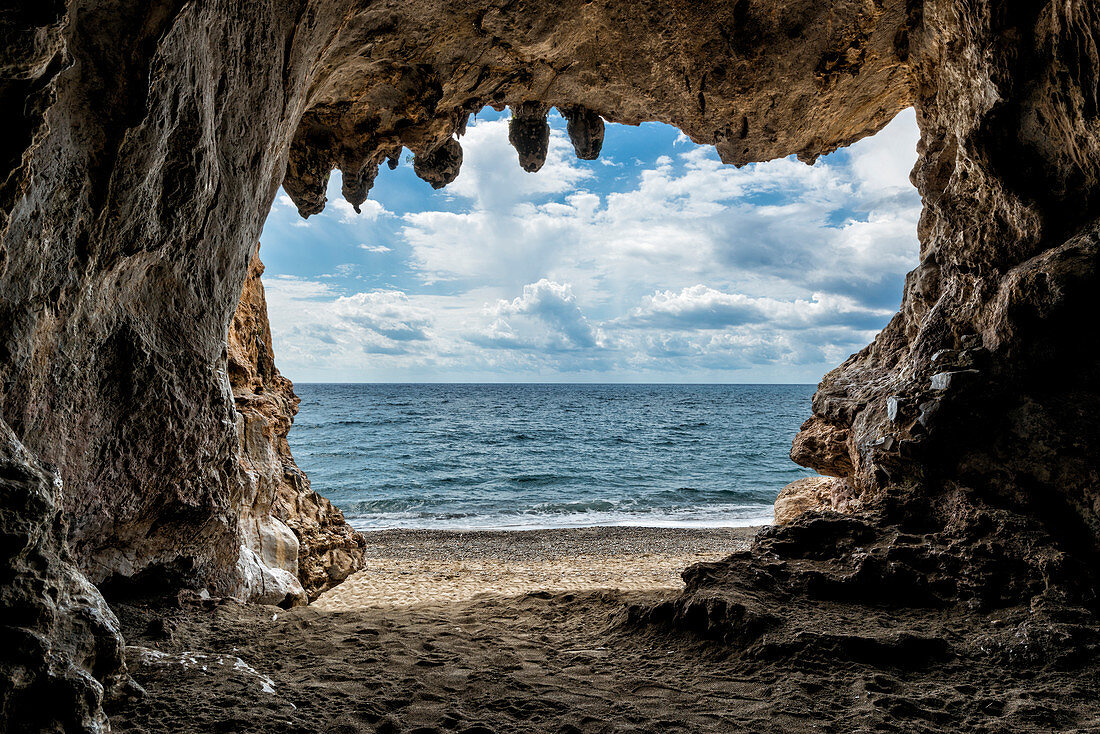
(976, 365)
(358, 179)
(529, 134)
(441, 166)
(586, 130)
(813, 494)
(823, 446)
(62, 651)
(295, 544)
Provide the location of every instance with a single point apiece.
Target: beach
(412, 567)
(552, 632)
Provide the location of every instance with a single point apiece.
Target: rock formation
(295, 544)
(813, 494)
(585, 129)
(529, 134)
(440, 167)
(62, 648)
(147, 142)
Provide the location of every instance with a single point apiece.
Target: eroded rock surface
(149, 139)
(979, 381)
(62, 650)
(757, 80)
(295, 544)
(813, 494)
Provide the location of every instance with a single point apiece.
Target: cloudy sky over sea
(655, 263)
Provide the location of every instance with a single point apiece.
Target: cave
(144, 420)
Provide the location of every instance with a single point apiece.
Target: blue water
(537, 456)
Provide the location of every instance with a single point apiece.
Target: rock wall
(982, 383)
(62, 652)
(127, 222)
(295, 543)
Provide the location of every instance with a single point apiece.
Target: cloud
(677, 267)
(508, 226)
(369, 211)
(701, 307)
(492, 180)
(315, 325)
(558, 322)
(779, 228)
(388, 313)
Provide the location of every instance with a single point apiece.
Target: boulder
(813, 494)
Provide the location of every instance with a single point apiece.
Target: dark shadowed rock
(358, 179)
(62, 649)
(441, 166)
(529, 134)
(585, 129)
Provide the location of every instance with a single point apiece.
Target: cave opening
(523, 300)
(151, 141)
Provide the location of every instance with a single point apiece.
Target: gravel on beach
(412, 567)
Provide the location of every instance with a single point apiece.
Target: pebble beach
(412, 567)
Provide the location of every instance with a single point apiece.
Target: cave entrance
(631, 339)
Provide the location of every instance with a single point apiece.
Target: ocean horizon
(527, 455)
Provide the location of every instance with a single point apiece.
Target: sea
(525, 456)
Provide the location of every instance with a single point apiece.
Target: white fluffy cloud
(369, 211)
(317, 327)
(701, 307)
(684, 267)
(546, 316)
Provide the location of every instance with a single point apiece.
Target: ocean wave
(549, 455)
(747, 516)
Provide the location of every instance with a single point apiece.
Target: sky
(655, 263)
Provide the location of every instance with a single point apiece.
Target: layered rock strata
(295, 544)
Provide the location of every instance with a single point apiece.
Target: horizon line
(529, 382)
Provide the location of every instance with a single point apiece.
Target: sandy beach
(412, 567)
(546, 632)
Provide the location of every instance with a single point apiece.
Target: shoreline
(412, 567)
(749, 522)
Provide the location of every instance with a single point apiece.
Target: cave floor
(547, 663)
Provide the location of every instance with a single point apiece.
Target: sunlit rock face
(148, 140)
(814, 494)
(295, 544)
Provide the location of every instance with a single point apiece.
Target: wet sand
(412, 567)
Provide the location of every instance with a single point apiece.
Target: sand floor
(582, 662)
(407, 568)
(385, 583)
